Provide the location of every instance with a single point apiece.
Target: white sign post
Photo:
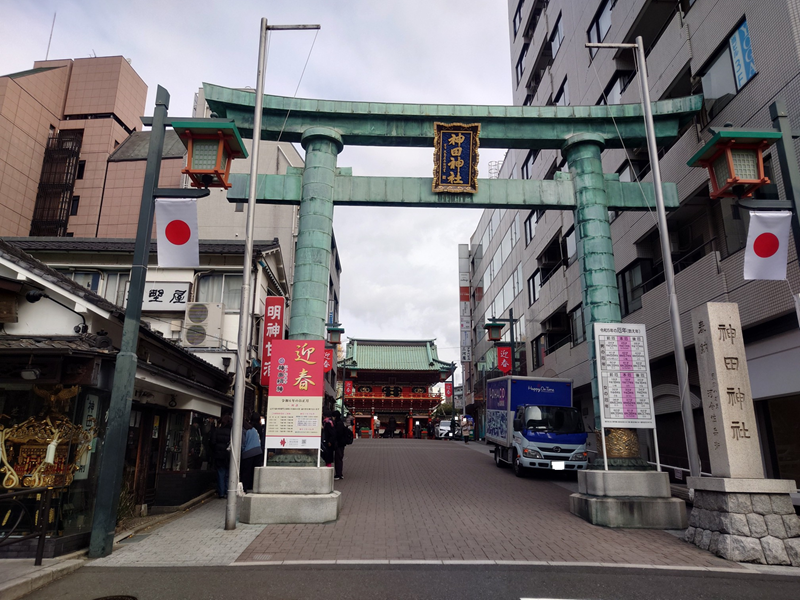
(624, 382)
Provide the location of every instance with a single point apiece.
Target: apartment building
(527, 260)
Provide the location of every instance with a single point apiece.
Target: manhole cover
(261, 557)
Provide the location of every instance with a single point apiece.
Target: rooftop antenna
(53, 26)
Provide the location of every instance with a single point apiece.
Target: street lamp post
(112, 458)
(666, 255)
(494, 330)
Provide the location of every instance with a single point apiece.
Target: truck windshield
(553, 419)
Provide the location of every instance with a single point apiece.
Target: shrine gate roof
(395, 355)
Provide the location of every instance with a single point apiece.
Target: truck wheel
(519, 470)
(497, 460)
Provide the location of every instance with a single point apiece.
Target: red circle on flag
(765, 245)
(178, 232)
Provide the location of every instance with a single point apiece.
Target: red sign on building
(448, 390)
(328, 361)
(273, 330)
(504, 359)
(296, 389)
(348, 388)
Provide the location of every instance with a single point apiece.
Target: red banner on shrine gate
(273, 330)
(328, 361)
(504, 359)
(348, 388)
(448, 390)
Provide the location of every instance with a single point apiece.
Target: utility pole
(246, 307)
(681, 366)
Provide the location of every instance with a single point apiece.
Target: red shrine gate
(391, 378)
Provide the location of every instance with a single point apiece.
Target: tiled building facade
(526, 260)
(59, 122)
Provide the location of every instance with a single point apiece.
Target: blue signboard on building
(744, 68)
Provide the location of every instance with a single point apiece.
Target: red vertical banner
(328, 360)
(348, 388)
(273, 330)
(296, 389)
(448, 390)
(504, 359)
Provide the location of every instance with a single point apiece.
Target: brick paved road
(441, 500)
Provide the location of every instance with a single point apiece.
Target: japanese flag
(767, 245)
(176, 226)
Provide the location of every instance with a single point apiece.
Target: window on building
(88, 279)
(116, 290)
(530, 227)
(239, 207)
(528, 100)
(557, 37)
(73, 208)
(521, 62)
(600, 24)
(505, 246)
(527, 165)
(537, 352)
(556, 329)
(728, 71)
(570, 249)
(516, 277)
(517, 20)
(220, 287)
(551, 259)
(81, 169)
(613, 92)
(577, 326)
(515, 230)
(494, 223)
(534, 286)
(631, 284)
(562, 96)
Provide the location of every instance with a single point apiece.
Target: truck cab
(549, 437)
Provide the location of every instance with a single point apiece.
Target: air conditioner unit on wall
(202, 326)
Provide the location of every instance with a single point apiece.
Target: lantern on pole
(494, 330)
(734, 159)
(212, 145)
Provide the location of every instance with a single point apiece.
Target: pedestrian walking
(342, 437)
(220, 447)
(466, 429)
(392, 425)
(328, 449)
(453, 427)
(252, 454)
(377, 427)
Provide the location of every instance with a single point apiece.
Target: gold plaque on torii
(455, 158)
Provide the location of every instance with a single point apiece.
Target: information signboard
(296, 389)
(623, 375)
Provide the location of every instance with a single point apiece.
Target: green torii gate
(323, 127)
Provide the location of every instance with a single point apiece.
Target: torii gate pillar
(314, 233)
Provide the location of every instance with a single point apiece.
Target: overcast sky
(399, 266)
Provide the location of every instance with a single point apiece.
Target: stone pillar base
(745, 520)
(627, 499)
(291, 495)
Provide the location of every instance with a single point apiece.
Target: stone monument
(738, 514)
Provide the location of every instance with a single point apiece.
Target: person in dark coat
(328, 444)
(252, 453)
(338, 456)
(392, 425)
(220, 442)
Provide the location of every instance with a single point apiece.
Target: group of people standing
(252, 454)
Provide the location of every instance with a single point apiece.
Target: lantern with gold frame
(212, 145)
(734, 160)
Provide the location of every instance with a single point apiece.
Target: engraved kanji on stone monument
(727, 400)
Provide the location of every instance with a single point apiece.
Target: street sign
(623, 374)
(296, 388)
